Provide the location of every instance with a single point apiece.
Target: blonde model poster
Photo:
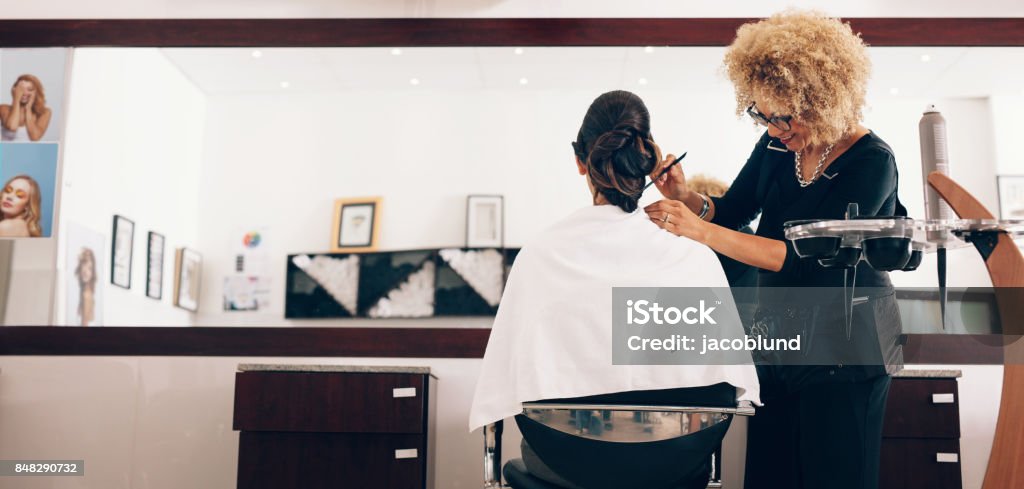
(83, 271)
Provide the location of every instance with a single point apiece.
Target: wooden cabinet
(921, 435)
(336, 427)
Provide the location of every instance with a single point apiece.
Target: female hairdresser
(803, 76)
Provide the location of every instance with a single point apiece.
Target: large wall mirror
(197, 174)
(213, 148)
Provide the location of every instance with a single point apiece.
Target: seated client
(552, 336)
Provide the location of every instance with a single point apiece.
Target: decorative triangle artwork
(380, 273)
(338, 277)
(413, 298)
(397, 284)
(483, 270)
(462, 289)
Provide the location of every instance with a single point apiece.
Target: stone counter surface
(365, 369)
(928, 374)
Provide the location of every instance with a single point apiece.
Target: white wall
(498, 8)
(30, 296)
(1007, 127)
(133, 148)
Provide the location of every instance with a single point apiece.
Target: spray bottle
(935, 157)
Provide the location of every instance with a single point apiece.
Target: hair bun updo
(615, 143)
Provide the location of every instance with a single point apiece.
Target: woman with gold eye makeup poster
(28, 173)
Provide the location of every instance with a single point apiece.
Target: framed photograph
(188, 268)
(356, 224)
(155, 266)
(485, 221)
(121, 253)
(1011, 196)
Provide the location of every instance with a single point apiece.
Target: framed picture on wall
(188, 268)
(155, 266)
(121, 253)
(485, 221)
(1011, 196)
(356, 224)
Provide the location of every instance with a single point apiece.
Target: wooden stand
(1006, 267)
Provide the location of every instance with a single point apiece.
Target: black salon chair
(663, 439)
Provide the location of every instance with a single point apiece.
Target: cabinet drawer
(920, 464)
(268, 460)
(922, 408)
(330, 402)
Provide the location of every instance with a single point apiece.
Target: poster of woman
(31, 94)
(84, 268)
(28, 173)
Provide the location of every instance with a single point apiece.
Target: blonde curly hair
(707, 185)
(805, 63)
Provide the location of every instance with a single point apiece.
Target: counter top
(366, 369)
(927, 374)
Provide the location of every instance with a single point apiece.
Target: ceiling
(897, 72)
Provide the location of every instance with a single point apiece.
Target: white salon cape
(552, 336)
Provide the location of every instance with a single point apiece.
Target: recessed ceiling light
(649, 49)
(894, 91)
(925, 58)
(257, 54)
(642, 81)
(518, 51)
(285, 84)
(414, 81)
(523, 81)
(396, 52)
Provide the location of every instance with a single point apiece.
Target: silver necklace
(817, 169)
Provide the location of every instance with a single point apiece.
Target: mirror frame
(430, 32)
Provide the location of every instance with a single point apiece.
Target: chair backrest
(629, 423)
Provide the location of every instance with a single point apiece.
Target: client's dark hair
(615, 143)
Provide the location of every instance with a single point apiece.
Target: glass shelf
(927, 235)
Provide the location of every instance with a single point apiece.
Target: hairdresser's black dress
(821, 423)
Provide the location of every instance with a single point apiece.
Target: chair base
(518, 477)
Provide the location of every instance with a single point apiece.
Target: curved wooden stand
(1006, 267)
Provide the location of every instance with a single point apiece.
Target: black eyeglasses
(779, 121)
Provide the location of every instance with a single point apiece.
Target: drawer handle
(409, 453)
(947, 458)
(943, 399)
(403, 392)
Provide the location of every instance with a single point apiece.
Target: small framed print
(188, 268)
(1011, 196)
(121, 253)
(155, 266)
(356, 224)
(485, 221)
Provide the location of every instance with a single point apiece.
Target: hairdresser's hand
(676, 218)
(673, 184)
